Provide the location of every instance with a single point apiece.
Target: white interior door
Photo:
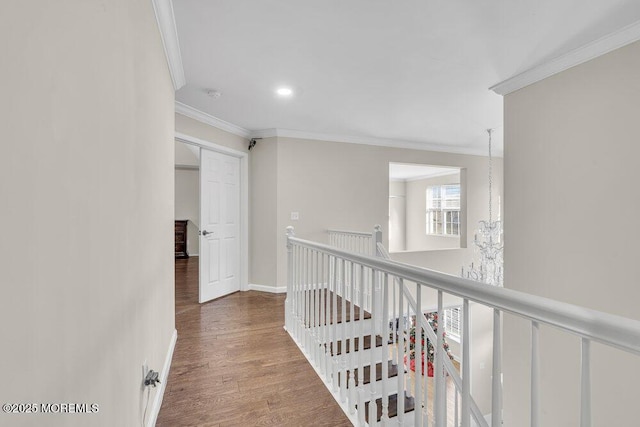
(219, 225)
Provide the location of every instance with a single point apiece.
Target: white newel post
(287, 301)
(377, 238)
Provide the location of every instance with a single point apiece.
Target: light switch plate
(295, 216)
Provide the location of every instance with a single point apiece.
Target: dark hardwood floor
(234, 365)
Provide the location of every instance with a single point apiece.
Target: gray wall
(571, 199)
(86, 183)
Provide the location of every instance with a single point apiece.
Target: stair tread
(356, 309)
(366, 346)
(327, 300)
(392, 372)
(409, 405)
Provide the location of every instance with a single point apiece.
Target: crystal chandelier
(489, 244)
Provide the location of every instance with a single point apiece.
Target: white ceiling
(410, 70)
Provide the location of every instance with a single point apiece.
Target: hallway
(234, 365)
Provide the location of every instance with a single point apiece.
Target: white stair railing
(362, 242)
(339, 337)
(359, 242)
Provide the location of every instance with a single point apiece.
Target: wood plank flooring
(234, 365)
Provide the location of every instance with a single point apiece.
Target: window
(443, 210)
(452, 322)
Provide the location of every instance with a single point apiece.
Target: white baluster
(385, 351)
(402, 352)
(287, 302)
(426, 382)
(535, 375)
(316, 307)
(310, 325)
(321, 324)
(438, 374)
(361, 389)
(446, 406)
(455, 418)
(418, 358)
(466, 365)
(352, 334)
(373, 407)
(334, 325)
(343, 329)
(327, 316)
(496, 382)
(410, 378)
(395, 324)
(585, 382)
(307, 289)
(298, 275)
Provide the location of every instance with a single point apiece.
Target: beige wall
(397, 216)
(264, 231)
(346, 186)
(194, 128)
(187, 154)
(571, 168)
(417, 238)
(86, 183)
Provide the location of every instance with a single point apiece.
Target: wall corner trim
(169, 34)
(269, 289)
(157, 400)
(203, 117)
(601, 46)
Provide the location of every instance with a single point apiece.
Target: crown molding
(366, 140)
(613, 41)
(203, 117)
(169, 34)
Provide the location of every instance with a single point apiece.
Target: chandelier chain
(490, 177)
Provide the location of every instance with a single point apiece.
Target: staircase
(336, 314)
(350, 310)
(340, 338)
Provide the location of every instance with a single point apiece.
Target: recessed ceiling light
(284, 91)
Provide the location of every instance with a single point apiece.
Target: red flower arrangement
(432, 319)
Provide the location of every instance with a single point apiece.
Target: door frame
(244, 197)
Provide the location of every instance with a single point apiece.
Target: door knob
(205, 232)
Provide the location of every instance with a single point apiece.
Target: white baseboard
(270, 289)
(164, 374)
